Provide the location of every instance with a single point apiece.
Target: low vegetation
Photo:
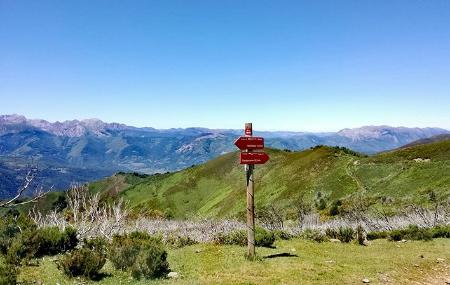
(291, 262)
(263, 237)
(142, 254)
(86, 261)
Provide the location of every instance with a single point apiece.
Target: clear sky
(283, 65)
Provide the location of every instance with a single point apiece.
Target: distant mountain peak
(68, 128)
(13, 119)
(376, 132)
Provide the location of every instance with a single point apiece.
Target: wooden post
(250, 202)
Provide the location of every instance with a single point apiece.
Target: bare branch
(29, 178)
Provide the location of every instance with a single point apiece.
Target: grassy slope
(325, 263)
(217, 188)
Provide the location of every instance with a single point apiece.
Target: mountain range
(86, 150)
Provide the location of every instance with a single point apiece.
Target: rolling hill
(217, 187)
(436, 138)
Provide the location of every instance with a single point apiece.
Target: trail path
(353, 176)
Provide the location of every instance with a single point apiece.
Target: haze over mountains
(90, 149)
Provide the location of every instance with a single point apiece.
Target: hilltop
(322, 175)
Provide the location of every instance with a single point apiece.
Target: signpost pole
(250, 202)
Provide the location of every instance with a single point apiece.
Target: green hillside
(217, 188)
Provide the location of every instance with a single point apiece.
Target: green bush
(151, 262)
(84, 262)
(377, 235)
(123, 252)
(179, 241)
(441, 232)
(8, 274)
(263, 238)
(22, 248)
(412, 232)
(283, 235)
(51, 241)
(236, 237)
(395, 235)
(314, 235)
(345, 234)
(69, 239)
(98, 244)
(37, 243)
(141, 253)
(11, 225)
(7, 233)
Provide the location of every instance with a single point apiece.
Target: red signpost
(254, 157)
(249, 157)
(245, 143)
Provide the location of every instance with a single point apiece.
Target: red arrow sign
(250, 143)
(254, 157)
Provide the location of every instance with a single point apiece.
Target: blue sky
(283, 65)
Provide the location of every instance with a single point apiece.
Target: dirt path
(353, 176)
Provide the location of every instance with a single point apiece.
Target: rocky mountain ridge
(85, 150)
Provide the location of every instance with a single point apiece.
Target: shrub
(69, 239)
(283, 235)
(8, 274)
(151, 262)
(331, 233)
(11, 225)
(314, 235)
(51, 241)
(7, 233)
(345, 234)
(441, 232)
(180, 241)
(22, 248)
(263, 237)
(236, 237)
(412, 232)
(377, 235)
(395, 235)
(84, 262)
(37, 243)
(124, 251)
(143, 254)
(334, 209)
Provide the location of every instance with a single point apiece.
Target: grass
(324, 263)
(216, 188)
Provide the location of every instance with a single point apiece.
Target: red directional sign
(254, 157)
(250, 143)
